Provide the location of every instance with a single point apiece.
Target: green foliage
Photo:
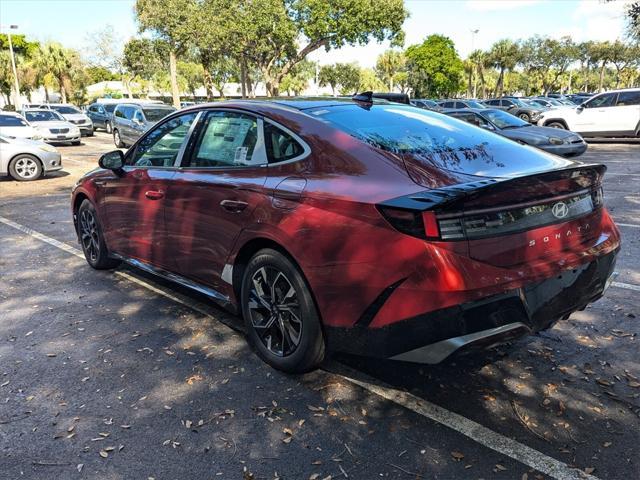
(370, 82)
(297, 80)
(96, 74)
(144, 57)
(344, 77)
(20, 44)
(435, 70)
(390, 65)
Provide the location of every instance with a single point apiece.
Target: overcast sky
(69, 22)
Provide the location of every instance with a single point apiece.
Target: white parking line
(627, 225)
(628, 286)
(472, 430)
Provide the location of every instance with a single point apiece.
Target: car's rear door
(132, 201)
(215, 192)
(628, 111)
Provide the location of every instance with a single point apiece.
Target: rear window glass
(155, 114)
(430, 138)
(12, 121)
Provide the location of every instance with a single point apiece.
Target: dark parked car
(425, 103)
(460, 103)
(370, 227)
(101, 114)
(130, 120)
(515, 107)
(566, 144)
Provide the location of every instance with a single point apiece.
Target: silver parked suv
(130, 120)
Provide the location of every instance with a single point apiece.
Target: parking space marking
(627, 225)
(472, 430)
(628, 286)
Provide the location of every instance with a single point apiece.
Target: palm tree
(602, 52)
(504, 55)
(388, 65)
(52, 58)
(479, 60)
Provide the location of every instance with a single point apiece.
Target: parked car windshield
(12, 121)
(503, 119)
(155, 114)
(64, 109)
(43, 116)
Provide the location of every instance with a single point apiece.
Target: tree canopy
(435, 68)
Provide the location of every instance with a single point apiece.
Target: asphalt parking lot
(116, 375)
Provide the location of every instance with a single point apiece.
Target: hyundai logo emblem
(560, 210)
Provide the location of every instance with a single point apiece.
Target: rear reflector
(430, 224)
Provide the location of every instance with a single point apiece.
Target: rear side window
(227, 139)
(11, 121)
(628, 98)
(280, 145)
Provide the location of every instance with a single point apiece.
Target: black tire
(76, 143)
(91, 238)
(107, 127)
(25, 168)
(274, 319)
(558, 125)
(525, 117)
(116, 139)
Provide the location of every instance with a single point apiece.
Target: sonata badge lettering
(580, 229)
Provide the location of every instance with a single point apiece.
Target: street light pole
(16, 85)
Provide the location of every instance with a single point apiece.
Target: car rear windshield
(435, 140)
(66, 110)
(12, 121)
(43, 116)
(155, 114)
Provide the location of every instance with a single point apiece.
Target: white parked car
(52, 126)
(74, 115)
(609, 114)
(15, 126)
(26, 159)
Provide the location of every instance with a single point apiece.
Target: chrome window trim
(306, 148)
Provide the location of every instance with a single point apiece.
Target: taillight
(491, 222)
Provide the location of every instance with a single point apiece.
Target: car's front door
(597, 115)
(628, 111)
(214, 194)
(133, 199)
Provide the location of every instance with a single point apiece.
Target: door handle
(154, 194)
(233, 206)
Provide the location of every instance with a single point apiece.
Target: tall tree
(435, 69)
(297, 80)
(170, 20)
(52, 58)
(388, 65)
(329, 76)
(480, 62)
(504, 55)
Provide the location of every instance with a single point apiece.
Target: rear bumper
(433, 336)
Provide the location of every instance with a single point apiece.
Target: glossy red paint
(322, 212)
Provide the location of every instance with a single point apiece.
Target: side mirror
(488, 126)
(580, 108)
(113, 160)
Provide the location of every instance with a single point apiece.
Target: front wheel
(117, 140)
(107, 127)
(281, 318)
(92, 239)
(525, 117)
(25, 168)
(558, 125)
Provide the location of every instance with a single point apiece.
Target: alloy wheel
(89, 235)
(26, 168)
(274, 311)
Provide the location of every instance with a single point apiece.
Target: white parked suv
(610, 114)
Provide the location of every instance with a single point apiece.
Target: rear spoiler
(492, 192)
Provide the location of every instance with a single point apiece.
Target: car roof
(36, 110)
(13, 114)
(144, 104)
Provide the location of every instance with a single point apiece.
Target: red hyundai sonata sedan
(353, 225)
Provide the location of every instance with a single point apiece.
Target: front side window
(160, 147)
(507, 103)
(227, 139)
(492, 102)
(628, 98)
(280, 145)
(601, 101)
(138, 116)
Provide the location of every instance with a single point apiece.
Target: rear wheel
(107, 127)
(117, 140)
(281, 318)
(25, 168)
(559, 125)
(91, 238)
